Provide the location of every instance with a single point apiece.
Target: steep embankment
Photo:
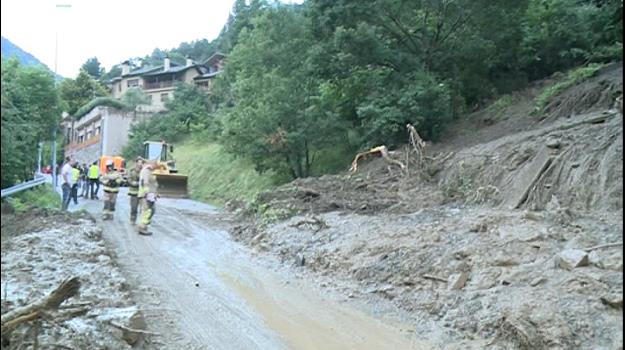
(509, 234)
(216, 176)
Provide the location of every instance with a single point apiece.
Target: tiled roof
(176, 69)
(215, 57)
(142, 71)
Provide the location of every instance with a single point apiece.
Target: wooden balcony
(158, 85)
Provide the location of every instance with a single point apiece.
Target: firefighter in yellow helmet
(111, 180)
(133, 188)
(147, 193)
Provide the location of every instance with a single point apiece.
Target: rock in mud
(457, 281)
(538, 280)
(613, 300)
(300, 260)
(125, 320)
(554, 143)
(534, 216)
(572, 258)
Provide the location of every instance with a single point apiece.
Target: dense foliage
(76, 93)
(303, 80)
(30, 110)
(307, 85)
(188, 110)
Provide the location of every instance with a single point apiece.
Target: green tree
(188, 110)
(190, 105)
(76, 93)
(135, 97)
(115, 72)
(273, 115)
(29, 112)
(93, 68)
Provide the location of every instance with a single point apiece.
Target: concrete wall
(87, 153)
(115, 126)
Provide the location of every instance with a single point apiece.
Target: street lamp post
(54, 130)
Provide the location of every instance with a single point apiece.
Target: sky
(111, 30)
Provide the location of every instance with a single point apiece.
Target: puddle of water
(307, 322)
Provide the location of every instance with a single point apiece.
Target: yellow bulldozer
(170, 183)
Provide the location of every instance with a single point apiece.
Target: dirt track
(211, 293)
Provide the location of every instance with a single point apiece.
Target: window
(119, 87)
(97, 131)
(164, 97)
(81, 139)
(133, 82)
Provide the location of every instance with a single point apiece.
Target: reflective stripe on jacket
(133, 182)
(111, 181)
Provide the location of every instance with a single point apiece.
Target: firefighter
(147, 194)
(133, 189)
(111, 181)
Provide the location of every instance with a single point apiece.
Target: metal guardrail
(23, 186)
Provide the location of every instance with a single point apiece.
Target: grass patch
(497, 108)
(574, 76)
(99, 101)
(216, 176)
(42, 196)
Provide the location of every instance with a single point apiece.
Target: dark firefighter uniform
(111, 181)
(133, 192)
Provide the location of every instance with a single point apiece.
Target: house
(159, 82)
(102, 131)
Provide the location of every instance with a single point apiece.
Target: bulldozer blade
(172, 185)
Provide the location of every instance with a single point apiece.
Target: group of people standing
(142, 188)
(79, 178)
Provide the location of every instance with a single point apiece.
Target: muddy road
(201, 290)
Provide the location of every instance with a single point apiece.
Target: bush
(39, 197)
(99, 101)
(573, 77)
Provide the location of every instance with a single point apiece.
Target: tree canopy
(30, 109)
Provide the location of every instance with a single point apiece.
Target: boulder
(572, 258)
(457, 281)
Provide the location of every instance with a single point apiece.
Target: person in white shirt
(66, 180)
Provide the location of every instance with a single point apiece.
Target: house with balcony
(159, 82)
(104, 130)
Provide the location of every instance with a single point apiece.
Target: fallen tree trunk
(14, 318)
(383, 151)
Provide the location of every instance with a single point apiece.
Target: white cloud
(112, 30)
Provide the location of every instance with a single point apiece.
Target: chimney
(125, 68)
(167, 63)
(189, 61)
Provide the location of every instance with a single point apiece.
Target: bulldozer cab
(157, 151)
(171, 184)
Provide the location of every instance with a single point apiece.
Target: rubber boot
(143, 230)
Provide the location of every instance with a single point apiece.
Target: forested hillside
(306, 85)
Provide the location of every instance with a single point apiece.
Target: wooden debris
(417, 143)
(609, 245)
(435, 278)
(314, 221)
(382, 151)
(14, 318)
